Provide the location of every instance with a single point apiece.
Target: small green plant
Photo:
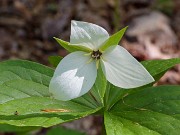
(98, 77)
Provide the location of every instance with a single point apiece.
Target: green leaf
(25, 98)
(54, 60)
(154, 110)
(63, 131)
(71, 47)
(114, 94)
(25, 70)
(87, 100)
(99, 88)
(117, 125)
(157, 68)
(10, 128)
(30, 112)
(114, 39)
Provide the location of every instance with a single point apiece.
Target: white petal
(123, 70)
(86, 34)
(73, 77)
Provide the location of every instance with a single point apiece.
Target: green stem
(103, 128)
(116, 16)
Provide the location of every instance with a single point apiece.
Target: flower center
(96, 54)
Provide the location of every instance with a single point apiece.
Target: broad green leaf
(87, 100)
(154, 110)
(26, 71)
(63, 131)
(24, 89)
(71, 47)
(99, 87)
(10, 128)
(157, 68)
(54, 60)
(114, 94)
(117, 125)
(114, 39)
(34, 111)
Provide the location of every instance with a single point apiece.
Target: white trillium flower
(77, 72)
